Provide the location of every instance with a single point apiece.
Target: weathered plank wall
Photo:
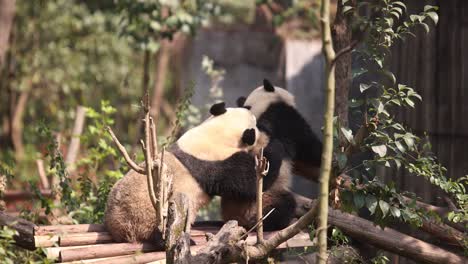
(436, 65)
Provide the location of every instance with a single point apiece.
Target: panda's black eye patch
(241, 101)
(248, 107)
(248, 137)
(218, 109)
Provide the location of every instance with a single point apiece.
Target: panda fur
(276, 192)
(288, 143)
(203, 163)
(278, 117)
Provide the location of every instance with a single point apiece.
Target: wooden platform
(91, 243)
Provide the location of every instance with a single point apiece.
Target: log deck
(91, 243)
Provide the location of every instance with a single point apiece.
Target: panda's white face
(218, 137)
(260, 99)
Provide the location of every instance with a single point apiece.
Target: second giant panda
(278, 117)
(213, 158)
(290, 144)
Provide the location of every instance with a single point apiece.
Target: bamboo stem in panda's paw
(261, 167)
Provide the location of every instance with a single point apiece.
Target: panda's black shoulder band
(218, 109)
(268, 86)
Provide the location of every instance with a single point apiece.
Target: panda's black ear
(268, 86)
(241, 101)
(248, 137)
(218, 109)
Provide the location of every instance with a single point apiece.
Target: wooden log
(80, 239)
(13, 195)
(102, 251)
(46, 240)
(68, 229)
(25, 237)
(52, 253)
(444, 233)
(392, 240)
(130, 259)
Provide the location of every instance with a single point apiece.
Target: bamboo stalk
(325, 169)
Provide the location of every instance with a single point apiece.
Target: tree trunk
(7, 13)
(74, 147)
(160, 78)
(325, 169)
(17, 125)
(341, 34)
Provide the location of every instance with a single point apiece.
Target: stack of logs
(91, 243)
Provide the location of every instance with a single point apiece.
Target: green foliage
(146, 22)
(390, 143)
(84, 199)
(10, 253)
(338, 238)
(380, 259)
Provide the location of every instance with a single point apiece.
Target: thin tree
(325, 169)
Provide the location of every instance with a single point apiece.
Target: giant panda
(278, 117)
(213, 158)
(290, 144)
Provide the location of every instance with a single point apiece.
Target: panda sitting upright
(278, 117)
(289, 142)
(213, 158)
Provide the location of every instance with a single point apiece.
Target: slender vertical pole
(260, 167)
(325, 169)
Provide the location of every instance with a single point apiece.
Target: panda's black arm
(233, 177)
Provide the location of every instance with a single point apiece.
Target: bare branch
(149, 177)
(258, 222)
(124, 153)
(345, 50)
(154, 139)
(261, 167)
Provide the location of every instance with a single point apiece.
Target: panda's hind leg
(284, 203)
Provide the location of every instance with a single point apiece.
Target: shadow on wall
(304, 78)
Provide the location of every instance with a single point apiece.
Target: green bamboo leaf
(359, 200)
(384, 206)
(348, 134)
(434, 16)
(395, 212)
(364, 87)
(371, 203)
(400, 146)
(381, 150)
